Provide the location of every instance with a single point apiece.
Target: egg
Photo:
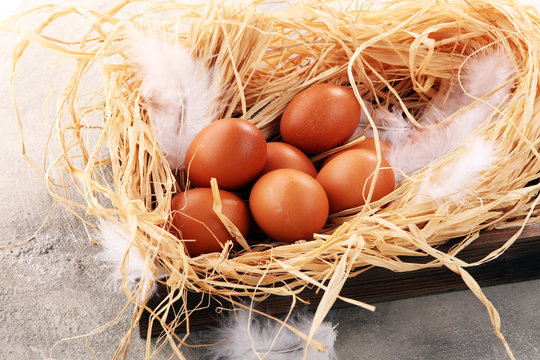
(284, 156)
(193, 219)
(347, 179)
(320, 118)
(231, 150)
(368, 143)
(288, 205)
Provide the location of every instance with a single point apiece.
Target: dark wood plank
(519, 263)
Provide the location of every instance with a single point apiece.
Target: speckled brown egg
(284, 156)
(347, 179)
(368, 144)
(231, 150)
(288, 205)
(194, 221)
(320, 118)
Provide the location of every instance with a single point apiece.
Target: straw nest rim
(392, 53)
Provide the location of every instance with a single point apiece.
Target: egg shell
(347, 179)
(288, 205)
(285, 156)
(368, 144)
(320, 118)
(231, 150)
(192, 218)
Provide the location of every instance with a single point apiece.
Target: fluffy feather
(391, 125)
(457, 179)
(180, 92)
(480, 75)
(118, 248)
(483, 74)
(262, 331)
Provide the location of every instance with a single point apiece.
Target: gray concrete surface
(52, 289)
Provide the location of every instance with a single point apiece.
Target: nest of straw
(396, 52)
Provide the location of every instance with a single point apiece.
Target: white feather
(423, 147)
(392, 127)
(482, 74)
(458, 178)
(488, 71)
(120, 252)
(252, 339)
(180, 92)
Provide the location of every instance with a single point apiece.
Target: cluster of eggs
(288, 198)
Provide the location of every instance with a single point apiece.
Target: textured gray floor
(52, 288)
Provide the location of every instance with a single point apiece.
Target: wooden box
(520, 262)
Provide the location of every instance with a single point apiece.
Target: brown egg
(284, 156)
(320, 118)
(347, 179)
(231, 150)
(192, 218)
(288, 205)
(368, 144)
